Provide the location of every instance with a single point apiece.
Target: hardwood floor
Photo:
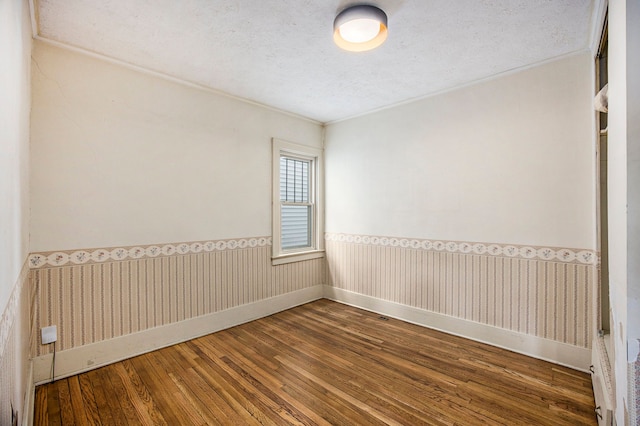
(322, 363)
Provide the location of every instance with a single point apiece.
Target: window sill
(296, 257)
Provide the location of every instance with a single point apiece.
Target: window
(296, 209)
(297, 213)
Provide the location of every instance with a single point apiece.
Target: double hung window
(297, 214)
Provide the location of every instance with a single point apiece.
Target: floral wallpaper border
(566, 255)
(79, 257)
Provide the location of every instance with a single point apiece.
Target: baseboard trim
(29, 398)
(536, 347)
(88, 357)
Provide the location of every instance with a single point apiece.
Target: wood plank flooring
(318, 364)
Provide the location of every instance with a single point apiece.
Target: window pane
(294, 180)
(296, 226)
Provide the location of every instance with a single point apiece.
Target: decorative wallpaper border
(588, 257)
(79, 257)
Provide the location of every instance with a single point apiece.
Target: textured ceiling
(281, 53)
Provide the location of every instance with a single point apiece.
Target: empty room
(319, 212)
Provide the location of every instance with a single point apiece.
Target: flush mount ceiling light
(360, 28)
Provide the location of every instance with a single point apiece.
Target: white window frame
(314, 155)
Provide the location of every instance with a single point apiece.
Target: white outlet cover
(49, 334)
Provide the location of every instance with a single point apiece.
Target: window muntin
(294, 179)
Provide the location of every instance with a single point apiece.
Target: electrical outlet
(49, 334)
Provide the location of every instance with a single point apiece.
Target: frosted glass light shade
(360, 28)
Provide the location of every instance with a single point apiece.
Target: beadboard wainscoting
(534, 300)
(113, 303)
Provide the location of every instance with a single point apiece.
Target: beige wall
(476, 204)
(15, 48)
(508, 160)
(124, 158)
(624, 202)
(150, 206)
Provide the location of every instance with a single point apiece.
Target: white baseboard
(29, 398)
(94, 355)
(536, 347)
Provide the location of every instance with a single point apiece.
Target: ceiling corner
(33, 12)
